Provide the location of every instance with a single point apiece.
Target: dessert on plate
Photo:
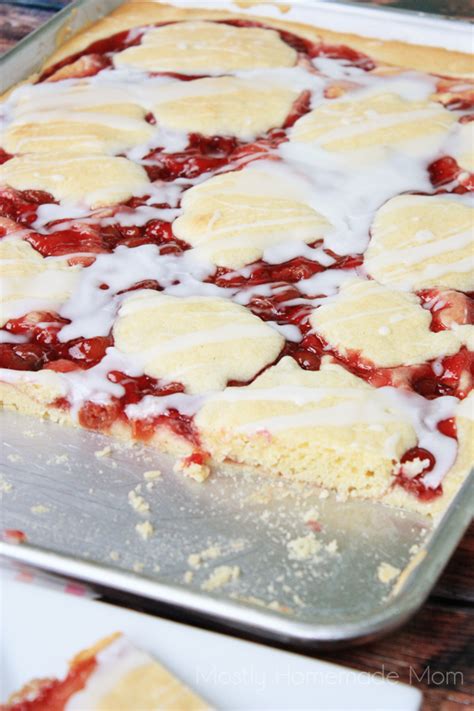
(247, 242)
(113, 674)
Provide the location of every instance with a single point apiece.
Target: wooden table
(435, 651)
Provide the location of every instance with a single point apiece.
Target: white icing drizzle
(92, 310)
(114, 663)
(346, 190)
(152, 406)
(386, 404)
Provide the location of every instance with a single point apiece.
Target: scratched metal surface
(67, 499)
(73, 507)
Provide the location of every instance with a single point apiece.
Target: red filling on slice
(21, 205)
(53, 694)
(415, 484)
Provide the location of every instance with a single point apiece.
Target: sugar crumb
(332, 547)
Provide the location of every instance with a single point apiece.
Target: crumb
(39, 509)
(91, 491)
(303, 548)
(145, 530)
(157, 568)
(386, 572)
(14, 458)
(114, 555)
(311, 515)
(5, 486)
(197, 470)
(150, 485)
(188, 576)
(137, 502)
(152, 474)
(275, 605)
(265, 515)
(414, 549)
(138, 567)
(105, 452)
(196, 559)
(58, 459)
(220, 576)
(332, 547)
(297, 600)
(323, 494)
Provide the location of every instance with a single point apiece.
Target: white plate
(42, 628)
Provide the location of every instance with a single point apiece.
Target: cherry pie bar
(250, 243)
(113, 674)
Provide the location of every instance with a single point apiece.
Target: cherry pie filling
(41, 348)
(54, 694)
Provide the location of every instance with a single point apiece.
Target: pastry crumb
(324, 493)
(58, 459)
(138, 567)
(386, 572)
(114, 555)
(188, 576)
(105, 452)
(137, 502)
(332, 547)
(414, 549)
(195, 560)
(152, 474)
(14, 458)
(220, 576)
(304, 547)
(193, 466)
(5, 486)
(39, 509)
(145, 530)
(311, 514)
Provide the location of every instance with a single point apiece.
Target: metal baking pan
(73, 504)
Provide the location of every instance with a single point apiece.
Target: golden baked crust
(113, 674)
(401, 54)
(227, 239)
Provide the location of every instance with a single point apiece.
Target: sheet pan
(72, 500)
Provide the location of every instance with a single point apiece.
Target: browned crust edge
(18, 397)
(402, 54)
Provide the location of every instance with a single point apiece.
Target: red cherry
(22, 356)
(307, 360)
